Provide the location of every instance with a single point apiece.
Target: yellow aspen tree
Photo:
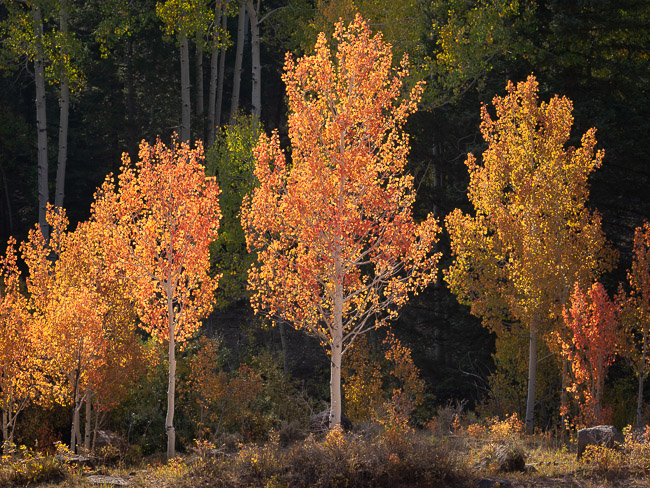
(531, 237)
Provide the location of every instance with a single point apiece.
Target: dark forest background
(596, 52)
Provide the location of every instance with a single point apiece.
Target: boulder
(601, 435)
(509, 458)
(319, 423)
(107, 438)
(107, 480)
(493, 483)
(74, 459)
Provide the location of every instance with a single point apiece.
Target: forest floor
(391, 460)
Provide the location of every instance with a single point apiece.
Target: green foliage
(231, 160)
(508, 382)
(63, 52)
(249, 401)
(142, 413)
(185, 17)
(472, 37)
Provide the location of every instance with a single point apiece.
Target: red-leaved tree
(338, 248)
(593, 322)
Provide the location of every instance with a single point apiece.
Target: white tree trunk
(74, 429)
(256, 69)
(171, 386)
(222, 68)
(88, 426)
(214, 74)
(532, 378)
(639, 399)
(199, 79)
(64, 104)
(185, 90)
(239, 56)
(41, 124)
(337, 346)
(5, 424)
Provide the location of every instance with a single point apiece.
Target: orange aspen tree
(124, 361)
(593, 322)
(68, 310)
(532, 237)
(338, 249)
(158, 221)
(635, 312)
(20, 374)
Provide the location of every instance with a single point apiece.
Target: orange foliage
(338, 249)
(67, 308)
(157, 227)
(593, 322)
(225, 400)
(20, 376)
(409, 392)
(156, 230)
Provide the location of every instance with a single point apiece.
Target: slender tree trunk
(222, 69)
(130, 98)
(74, 429)
(199, 79)
(532, 378)
(98, 416)
(239, 56)
(185, 89)
(5, 184)
(64, 104)
(639, 398)
(599, 389)
(88, 419)
(200, 101)
(41, 124)
(285, 352)
(171, 386)
(564, 400)
(5, 424)
(214, 75)
(337, 345)
(256, 69)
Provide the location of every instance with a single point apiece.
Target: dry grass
(395, 458)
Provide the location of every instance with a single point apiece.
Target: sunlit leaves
(532, 236)
(593, 322)
(338, 219)
(158, 222)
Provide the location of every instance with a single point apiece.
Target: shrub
(339, 459)
(603, 461)
(22, 466)
(637, 448)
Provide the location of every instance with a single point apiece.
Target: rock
(509, 458)
(74, 459)
(107, 480)
(319, 423)
(601, 435)
(107, 438)
(493, 483)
